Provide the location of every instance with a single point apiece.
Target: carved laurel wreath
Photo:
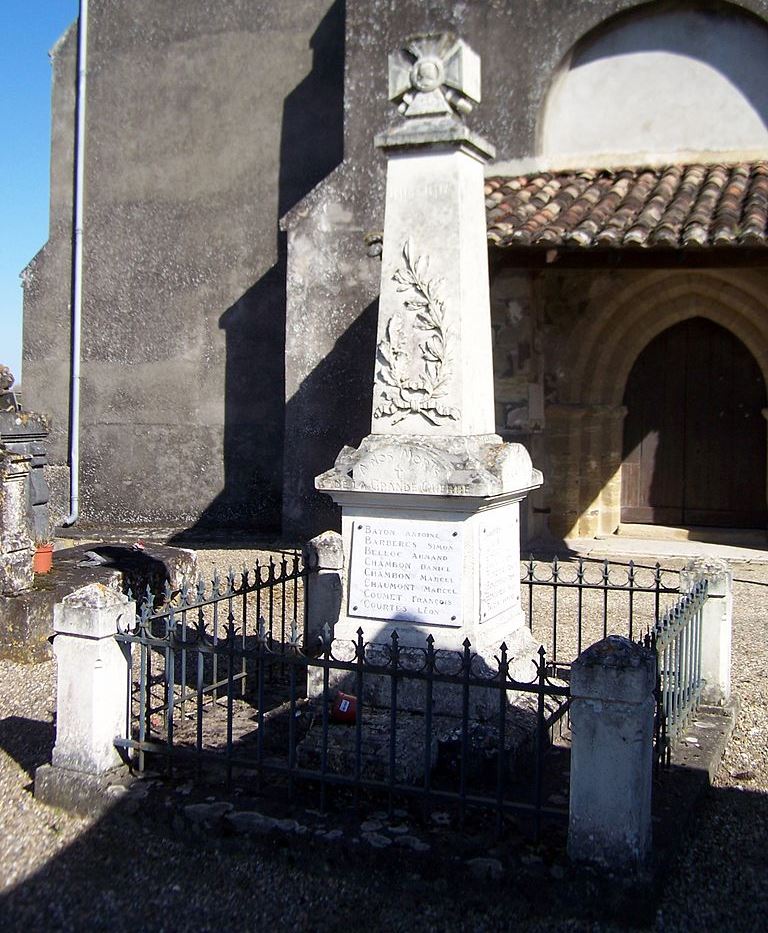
(405, 394)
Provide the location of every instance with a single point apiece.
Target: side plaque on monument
(409, 571)
(498, 562)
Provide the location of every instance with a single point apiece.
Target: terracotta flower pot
(43, 558)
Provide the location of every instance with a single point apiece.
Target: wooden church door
(694, 435)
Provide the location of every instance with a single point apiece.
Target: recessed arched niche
(686, 82)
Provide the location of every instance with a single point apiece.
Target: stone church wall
(213, 341)
(205, 123)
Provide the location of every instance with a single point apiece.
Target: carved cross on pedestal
(434, 76)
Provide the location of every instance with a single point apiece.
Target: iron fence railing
(269, 597)
(676, 638)
(572, 604)
(446, 728)
(222, 675)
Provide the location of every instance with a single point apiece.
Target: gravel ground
(130, 870)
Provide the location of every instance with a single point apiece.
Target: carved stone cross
(434, 76)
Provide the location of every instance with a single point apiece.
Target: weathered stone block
(77, 791)
(375, 747)
(412, 692)
(612, 713)
(91, 691)
(15, 531)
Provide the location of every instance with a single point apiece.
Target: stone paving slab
(615, 547)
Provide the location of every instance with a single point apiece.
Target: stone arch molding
(636, 88)
(604, 345)
(615, 334)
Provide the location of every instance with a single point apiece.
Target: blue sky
(30, 28)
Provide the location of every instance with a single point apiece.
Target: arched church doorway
(694, 449)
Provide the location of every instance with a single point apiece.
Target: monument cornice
(438, 134)
(355, 499)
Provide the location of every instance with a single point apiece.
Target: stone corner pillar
(323, 558)
(716, 625)
(16, 552)
(612, 713)
(91, 697)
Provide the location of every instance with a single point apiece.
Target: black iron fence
(184, 655)
(676, 637)
(223, 679)
(570, 605)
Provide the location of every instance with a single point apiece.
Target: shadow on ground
(144, 865)
(27, 741)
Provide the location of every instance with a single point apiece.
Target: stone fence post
(324, 557)
(612, 712)
(15, 533)
(716, 622)
(91, 698)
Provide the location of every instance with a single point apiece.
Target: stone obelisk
(430, 499)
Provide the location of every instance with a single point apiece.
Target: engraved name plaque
(498, 563)
(408, 571)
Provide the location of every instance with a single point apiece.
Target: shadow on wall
(311, 146)
(324, 402)
(689, 33)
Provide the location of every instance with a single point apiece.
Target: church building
(232, 225)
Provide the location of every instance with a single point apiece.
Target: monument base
(416, 751)
(79, 791)
(431, 538)
(412, 693)
(431, 543)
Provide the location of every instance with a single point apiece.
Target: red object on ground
(344, 708)
(42, 561)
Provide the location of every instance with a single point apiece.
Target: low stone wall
(26, 620)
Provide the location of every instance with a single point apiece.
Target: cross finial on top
(434, 76)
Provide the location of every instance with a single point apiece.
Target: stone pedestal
(716, 625)
(92, 685)
(91, 697)
(432, 542)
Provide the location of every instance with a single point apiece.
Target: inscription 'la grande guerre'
(403, 468)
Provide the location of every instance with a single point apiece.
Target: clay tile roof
(677, 206)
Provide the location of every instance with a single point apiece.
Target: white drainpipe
(77, 271)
